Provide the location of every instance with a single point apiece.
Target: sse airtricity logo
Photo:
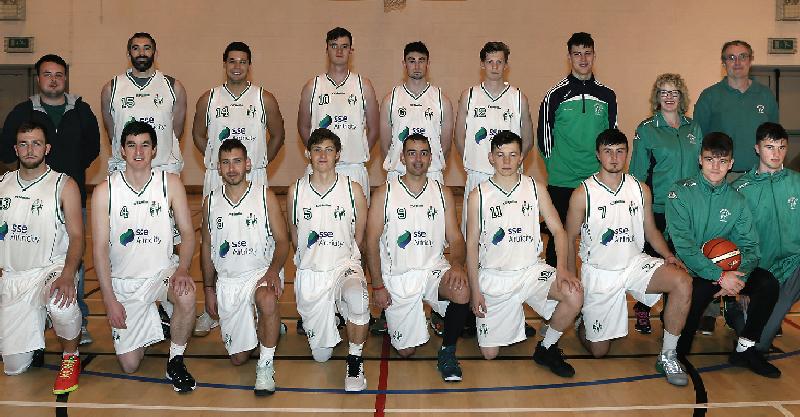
(607, 237)
(498, 236)
(403, 135)
(225, 133)
(481, 134)
(126, 237)
(326, 121)
(404, 239)
(3, 231)
(313, 237)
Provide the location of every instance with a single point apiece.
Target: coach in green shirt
(737, 105)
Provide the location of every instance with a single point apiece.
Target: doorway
(784, 81)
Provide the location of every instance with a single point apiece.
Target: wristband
(380, 287)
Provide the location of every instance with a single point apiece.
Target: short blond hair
(680, 84)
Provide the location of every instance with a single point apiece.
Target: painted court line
(759, 404)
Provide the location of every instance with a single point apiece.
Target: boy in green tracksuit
(705, 207)
(773, 193)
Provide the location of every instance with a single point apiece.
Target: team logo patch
(483, 329)
(155, 208)
(431, 212)
(632, 208)
(227, 340)
(792, 201)
(224, 248)
(692, 139)
(251, 220)
(251, 111)
(607, 237)
(326, 121)
(158, 100)
(526, 208)
(672, 195)
(597, 327)
(428, 113)
(403, 134)
(3, 231)
(36, 207)
(508, 115)
(598, 109)
(723, 215)
(397, 335)
(404, 239)
(338, 213)
(480, 135)
(126, 237)
(313, 237)
(352, 100)
(225, 133)
(498, 236)
(760, 108)
(545, 275)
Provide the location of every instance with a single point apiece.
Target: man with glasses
(737, 104)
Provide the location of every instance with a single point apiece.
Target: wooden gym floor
(623, 385)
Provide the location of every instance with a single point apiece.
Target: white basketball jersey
(613, 230)
(325, 222)
(486, 116)
(413, 228)
(32, 230)
(140, 238)
(241, 238)
(342, 109)
(509, 225)
(242, 117)
(152, 104)
(410, 114)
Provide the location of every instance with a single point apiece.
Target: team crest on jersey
(692, 139)
(432, 212)
(508, 115)
(401, 213)
(251, 111)
(352, 100)
(306, 213)
(36, 207)
(428, 113)
(672, 195)
(792, 201)
(404, 239)
(632, 208)
(598, 109)
(5, 203)
(597, 326)
(251, 220)
(158, 100)
(760, 108)
(401, 112)
(723, 215)
(155, 208)
(483, 329)
(227, 340)
(338, 213)
(224, 248)
(545, 275)
(3, 231)
(526, 208)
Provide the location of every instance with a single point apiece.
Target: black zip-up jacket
(74, 143)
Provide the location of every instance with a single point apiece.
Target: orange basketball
(724, 253)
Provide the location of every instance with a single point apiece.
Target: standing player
(132, 230)
(611, 211)
(416, 106)
(236, 110)
(503, 249)
(145, 94)
(344, 103)
(41, 243)
(705, 207)
(406, 238)
(328, 217)
(486, 109)
(243, 224)
(772, 193)
(571, 116)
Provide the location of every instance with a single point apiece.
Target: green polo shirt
(663, 154)
(722, 108)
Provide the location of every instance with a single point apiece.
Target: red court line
(380, 399)
(791, 323)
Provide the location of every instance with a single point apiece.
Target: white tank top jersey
(342, 109)
(486, 116)
(413, 235)
(509, 225)
(140, 237)
(241, 238)
(613, 229)
(32, 230)
(410, 114)
(325, 225)
(151, 103)
(242, 117)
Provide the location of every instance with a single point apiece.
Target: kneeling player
(41, 244)
(132, 233)
(406, 238)
(244, 247)
(503, 259)
(328, 217)
(612, 213)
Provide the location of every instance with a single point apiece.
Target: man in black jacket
(72, 132)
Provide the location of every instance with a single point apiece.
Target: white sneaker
(265, 380)
(204, 324)
(354, 379)
(86, 337)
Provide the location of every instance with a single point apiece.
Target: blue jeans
(81, 273)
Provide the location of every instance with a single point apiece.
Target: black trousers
(560, 197)
(761, 286)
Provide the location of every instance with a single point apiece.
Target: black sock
(454, 320)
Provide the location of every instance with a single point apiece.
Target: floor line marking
(380, 398)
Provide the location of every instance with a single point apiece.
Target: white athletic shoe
(265, 379)
(354, 379)
(204, 324)
(86, 337)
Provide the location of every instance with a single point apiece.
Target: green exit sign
(783, 45)
(19, 44)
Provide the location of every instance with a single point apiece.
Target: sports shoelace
(353, 368)
(67, 367)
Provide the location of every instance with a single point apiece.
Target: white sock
(266, 355)
(175, 350)
(65, 354)
(743, 344)
(356, 349)
(551, 337)
(670, 342)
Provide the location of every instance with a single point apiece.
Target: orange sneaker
(67, 378)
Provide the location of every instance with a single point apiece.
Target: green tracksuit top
(722, 108)
(663, 154)
(773, 199)
(697, 212)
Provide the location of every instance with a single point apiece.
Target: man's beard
(142, 65)
(31, 165)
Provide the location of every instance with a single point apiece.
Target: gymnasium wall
(636, 40)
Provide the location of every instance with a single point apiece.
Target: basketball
(723, 252)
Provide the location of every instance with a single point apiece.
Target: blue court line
(705, 369)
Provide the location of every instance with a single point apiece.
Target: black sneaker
(447, 364)
(707, 324)
(735, 317)
(37, 361)
(300, 329)
(377, 325)
(182, 380)
(553, 358)
(642, 319)
(754, 360)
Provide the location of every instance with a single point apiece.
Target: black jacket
(74, 143)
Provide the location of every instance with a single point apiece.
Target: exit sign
(19, 44)
(783, 45)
